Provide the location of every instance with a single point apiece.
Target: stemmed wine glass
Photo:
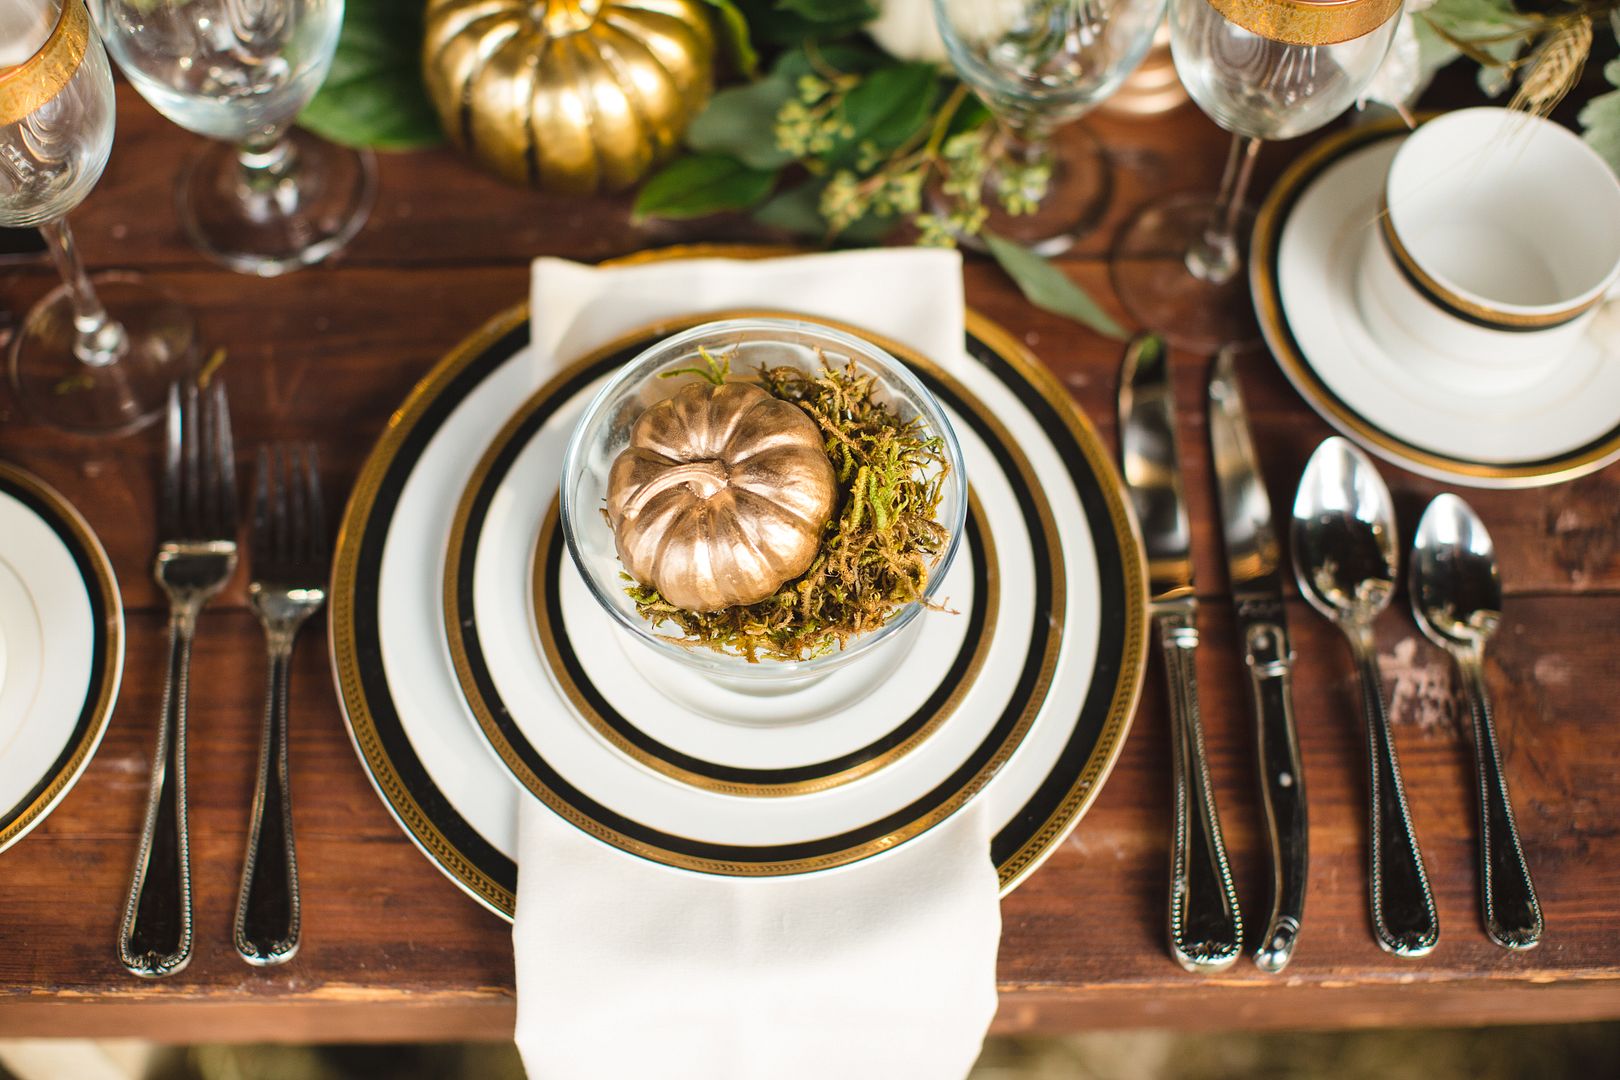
(268, 198)
(96, 355)
(1261, 69)
(1038, 65)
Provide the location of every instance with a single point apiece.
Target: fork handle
(155, 936)
(267, 906)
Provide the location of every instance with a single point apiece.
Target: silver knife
(1206, 929)
(1252, 560)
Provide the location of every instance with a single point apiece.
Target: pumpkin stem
(561, 17)
(704, 479)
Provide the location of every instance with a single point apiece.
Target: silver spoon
(1345, 559)
(1457, 600)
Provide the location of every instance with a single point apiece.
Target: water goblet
(267, 198)
(97, 354)
(1261, 69)
(1038, 65)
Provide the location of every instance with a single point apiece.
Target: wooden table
(392, 950)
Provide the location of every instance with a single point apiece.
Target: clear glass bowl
(604, 431)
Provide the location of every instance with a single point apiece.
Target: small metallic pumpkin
(721, 496)
(570, 95)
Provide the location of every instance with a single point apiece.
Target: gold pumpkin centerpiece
(569, 95)
(721, 496)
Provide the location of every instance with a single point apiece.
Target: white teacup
(1499, 242)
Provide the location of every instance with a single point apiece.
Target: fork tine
(317, 512)
(261, 509)
(169, 527)
(225, 449)
(191, 478)
(298, 526)
(278, 506)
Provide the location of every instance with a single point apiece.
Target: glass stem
(98, 340)
(1215, 258)
(269, 168)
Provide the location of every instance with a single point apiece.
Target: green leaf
(775, 23)
(702, 184)
(741, 122)
(889, 106)
(734, 36)
(829, 11)
(1600, 119)
(796, 210)
(373, 96)
(1049, 288)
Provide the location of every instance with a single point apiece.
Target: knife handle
(1206, 928)
(1282, 788)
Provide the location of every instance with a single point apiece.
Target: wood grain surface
(392, 950)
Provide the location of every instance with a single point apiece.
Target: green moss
(879, 546)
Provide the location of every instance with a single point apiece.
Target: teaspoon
(1457, 599)
(1346, 559)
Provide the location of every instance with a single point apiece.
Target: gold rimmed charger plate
(1046, 814)
(106, 647)
(1264, 280)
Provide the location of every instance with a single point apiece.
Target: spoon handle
(1512, 912)
(1206, 928)
(1403, 911)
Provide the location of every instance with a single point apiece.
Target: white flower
(906, 30)
(1401, 77)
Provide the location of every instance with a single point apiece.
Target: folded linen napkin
(883, 969)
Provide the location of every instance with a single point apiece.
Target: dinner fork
(196, 555)
(288, 586)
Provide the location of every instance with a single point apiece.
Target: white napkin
(627, 969)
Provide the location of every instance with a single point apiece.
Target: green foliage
(373, 96)
(702, 184)
(1049, 288)
(878, 549)
(1601, 118)
(732, 26)
(791, 22)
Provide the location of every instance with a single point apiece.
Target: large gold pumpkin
(721, 496)
(570, 95)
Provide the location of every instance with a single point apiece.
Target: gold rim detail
(1268, 306)
(112, 662)
(26, 86)
(1308, 22)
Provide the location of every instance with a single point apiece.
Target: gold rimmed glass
(97, 354)
(1261, 69)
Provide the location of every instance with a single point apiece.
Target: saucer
(62, 624)
(1307, 240)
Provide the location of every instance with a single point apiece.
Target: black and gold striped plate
(1062, 696)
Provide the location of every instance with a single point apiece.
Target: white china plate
(1307, 240)
(416, 731)
(62, 626)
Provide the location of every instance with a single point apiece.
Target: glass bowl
(604, 430)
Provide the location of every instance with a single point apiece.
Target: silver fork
(289, 585)
(196, 555)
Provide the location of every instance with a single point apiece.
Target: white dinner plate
(62, 625)
(1307, 239)
(416, 731)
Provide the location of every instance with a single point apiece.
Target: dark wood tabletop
(393, 950)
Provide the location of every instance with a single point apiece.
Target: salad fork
(195, 557)
(288, 586)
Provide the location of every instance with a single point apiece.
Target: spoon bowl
(1346, 554)
(1455, 587)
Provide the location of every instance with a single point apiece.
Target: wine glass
(1038, 65)
(96, 355)
(268, 198)
(1261, 69)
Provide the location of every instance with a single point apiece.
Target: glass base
(273, 226)
(55, 387)
(1154, 279)
(1077, 196)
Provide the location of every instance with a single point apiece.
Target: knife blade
(1253, 563)
(1206, 927)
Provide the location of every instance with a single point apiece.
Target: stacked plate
(475, 669)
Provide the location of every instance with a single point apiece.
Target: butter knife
(1206, 928)
(1253, 563)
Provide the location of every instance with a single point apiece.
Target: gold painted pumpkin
(721, 496)
(570, 95)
